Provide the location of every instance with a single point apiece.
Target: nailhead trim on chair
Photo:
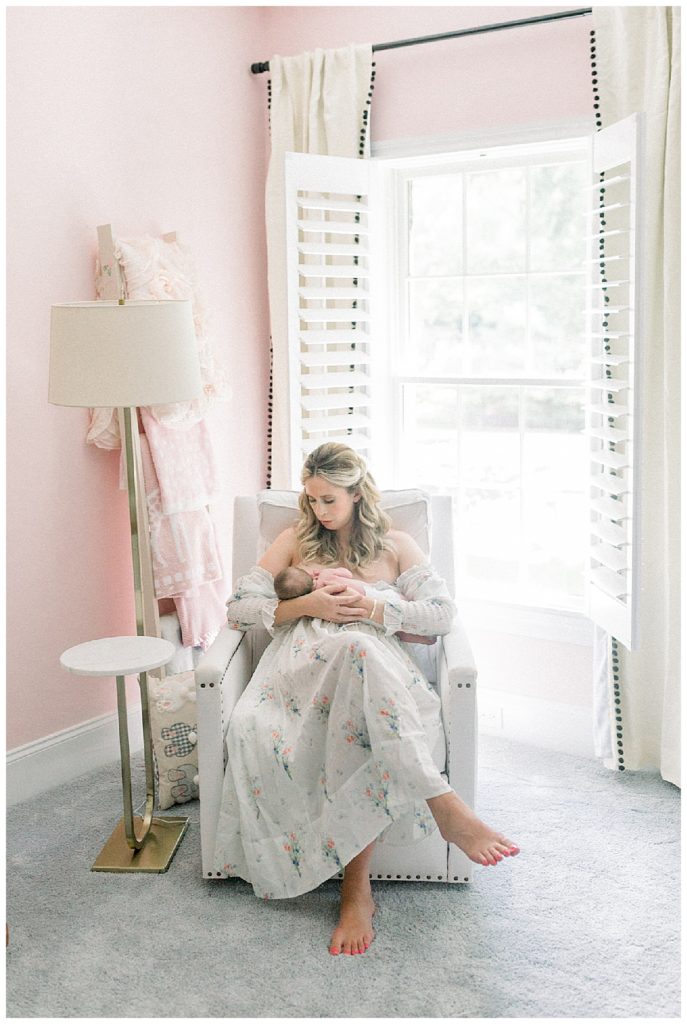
(429, 878)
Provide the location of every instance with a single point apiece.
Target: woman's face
(332, 505)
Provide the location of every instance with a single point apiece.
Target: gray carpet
(584, 923)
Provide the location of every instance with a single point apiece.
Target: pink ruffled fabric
(183, 544)
(184, 463)
(201, 613)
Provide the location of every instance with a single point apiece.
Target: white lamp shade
(140, 353)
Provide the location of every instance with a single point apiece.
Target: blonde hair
(343, 467)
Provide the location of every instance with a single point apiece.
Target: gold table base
(161, 844)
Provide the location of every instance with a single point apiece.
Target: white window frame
(399, 165)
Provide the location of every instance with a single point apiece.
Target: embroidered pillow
(173, 722)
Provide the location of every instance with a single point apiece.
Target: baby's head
(292, 582)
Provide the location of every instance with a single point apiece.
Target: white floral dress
(330, 744)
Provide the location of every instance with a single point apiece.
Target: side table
(153, 848)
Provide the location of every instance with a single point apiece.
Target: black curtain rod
(258, 69)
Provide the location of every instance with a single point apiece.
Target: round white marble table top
(117, 656)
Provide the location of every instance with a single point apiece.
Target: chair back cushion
(409, 510)
(428, 519)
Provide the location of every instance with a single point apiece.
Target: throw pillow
(173, 722)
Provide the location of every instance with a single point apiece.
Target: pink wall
(534, 75)
(147, 118)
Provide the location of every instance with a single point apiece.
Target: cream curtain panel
(320, 103)
(637, 57)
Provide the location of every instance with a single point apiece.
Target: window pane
(428, 455)
(496, 308)
(555, 546)
(557, 324)
(489, 437)
(491, 521)
(557, 224)
(436, 225)
(496, 220)
(435, 342)
(554, 475)
(553, 410)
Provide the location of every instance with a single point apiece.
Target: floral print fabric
(330, 745)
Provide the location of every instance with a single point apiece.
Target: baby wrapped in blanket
(295, 582)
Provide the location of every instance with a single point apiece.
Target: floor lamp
(125, 354)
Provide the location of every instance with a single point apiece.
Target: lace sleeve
(253, 602)
(424, 605)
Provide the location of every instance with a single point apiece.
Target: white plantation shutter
(614, 331)
(330, 336)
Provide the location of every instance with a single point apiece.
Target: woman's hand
(336, 605)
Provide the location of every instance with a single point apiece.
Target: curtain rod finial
(261, 66)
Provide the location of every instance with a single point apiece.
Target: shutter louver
(329, 314)
(613, 328)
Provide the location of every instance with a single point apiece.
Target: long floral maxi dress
(329, 744)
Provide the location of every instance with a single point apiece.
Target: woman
(329, 746)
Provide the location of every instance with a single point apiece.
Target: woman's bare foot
(354, 932)
(460, 825)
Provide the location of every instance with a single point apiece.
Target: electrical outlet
(491, 719)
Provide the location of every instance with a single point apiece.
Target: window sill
(520, 620)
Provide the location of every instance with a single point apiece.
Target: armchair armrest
(212, 665)
(221, 677)
(457, 659)
(457, 679)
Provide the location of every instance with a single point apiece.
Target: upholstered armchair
(225, 669)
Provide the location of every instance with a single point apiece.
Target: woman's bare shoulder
(407, 550)
(399, 538)
(280, 554)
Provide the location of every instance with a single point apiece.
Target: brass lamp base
(156, 854)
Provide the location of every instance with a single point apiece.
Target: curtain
(636, 67)
(319, 103)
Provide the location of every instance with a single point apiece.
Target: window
(471, 323)
(488, 371)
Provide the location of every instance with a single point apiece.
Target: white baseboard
(540, 723)
(63, 756)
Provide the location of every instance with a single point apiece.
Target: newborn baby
(295, 582)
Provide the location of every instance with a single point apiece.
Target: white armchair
(224, 671)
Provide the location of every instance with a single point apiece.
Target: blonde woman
(330, 745)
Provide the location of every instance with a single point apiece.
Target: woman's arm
(426, 607)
